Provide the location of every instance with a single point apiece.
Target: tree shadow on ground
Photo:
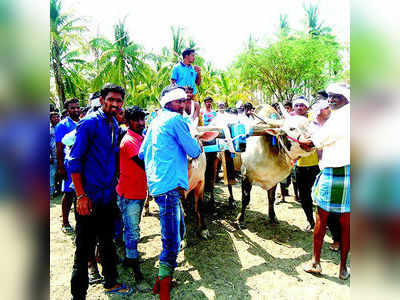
(216, 268)
(218, 265)
(55, 201)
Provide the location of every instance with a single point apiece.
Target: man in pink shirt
(132, 186)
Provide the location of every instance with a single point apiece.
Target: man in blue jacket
(164, 151)
(92, 165)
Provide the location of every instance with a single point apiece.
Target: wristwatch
(80, 196)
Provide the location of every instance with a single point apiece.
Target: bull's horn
(274, 123)
(284, 112)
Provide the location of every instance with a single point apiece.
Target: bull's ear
(208, 136)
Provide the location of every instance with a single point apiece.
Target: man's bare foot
(335, 246)
(313, 268)
(344, 273)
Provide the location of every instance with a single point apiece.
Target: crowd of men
(111, 159)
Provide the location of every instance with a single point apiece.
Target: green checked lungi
(331, 190)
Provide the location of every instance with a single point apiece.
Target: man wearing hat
(331, 190)
(164, 151)
(306, 169)
(239, 106)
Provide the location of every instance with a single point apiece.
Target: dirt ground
(264, 261)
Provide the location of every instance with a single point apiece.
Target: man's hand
(83, 205)
(201, 146)
(307, 145)
(197, 69)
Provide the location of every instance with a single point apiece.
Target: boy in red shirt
(132, 186)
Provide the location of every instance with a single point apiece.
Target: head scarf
(300, 100)
(317, 107)
(340, 88)
(173, 95)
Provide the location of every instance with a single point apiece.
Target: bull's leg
(232, 203)
(198, 199)
(246, 188)
(271, 201)
(146, 206)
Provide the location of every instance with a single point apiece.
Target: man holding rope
(331, 190)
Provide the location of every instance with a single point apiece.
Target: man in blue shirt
(185, 74)
(92, 164)
(164, 151)
(63, 128)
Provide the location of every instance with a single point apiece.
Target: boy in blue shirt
(185, 74)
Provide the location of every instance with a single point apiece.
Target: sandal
(334, 247)
(344, 276)
(67, 229)
(95, 277)
(309, 228)
(121, 290)
(313, 268)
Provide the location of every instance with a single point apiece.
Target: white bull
(266, 164)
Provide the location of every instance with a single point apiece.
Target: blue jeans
(53, 171)
(131, 211)
(172, 226)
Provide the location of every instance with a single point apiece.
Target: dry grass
(263, 261)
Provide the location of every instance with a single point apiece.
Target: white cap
(239, 104)
(340, 88)
(300, 100)
(173, 95)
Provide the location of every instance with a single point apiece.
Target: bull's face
(296, 128)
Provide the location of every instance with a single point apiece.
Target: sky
(220, 28)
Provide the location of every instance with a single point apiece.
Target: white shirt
(334, 138)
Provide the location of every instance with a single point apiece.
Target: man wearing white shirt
(331, 190)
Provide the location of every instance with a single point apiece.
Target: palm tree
(283, 25)
(64, 34)
(120, 61)
(315, 28)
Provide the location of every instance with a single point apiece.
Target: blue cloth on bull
(331, 190)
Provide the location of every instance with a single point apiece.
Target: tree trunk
(59, 82)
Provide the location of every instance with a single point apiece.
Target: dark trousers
(305, 177)
(98, 225)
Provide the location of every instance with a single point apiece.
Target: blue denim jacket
(94, 156)
(164, 151)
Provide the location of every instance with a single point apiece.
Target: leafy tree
(291, 66)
